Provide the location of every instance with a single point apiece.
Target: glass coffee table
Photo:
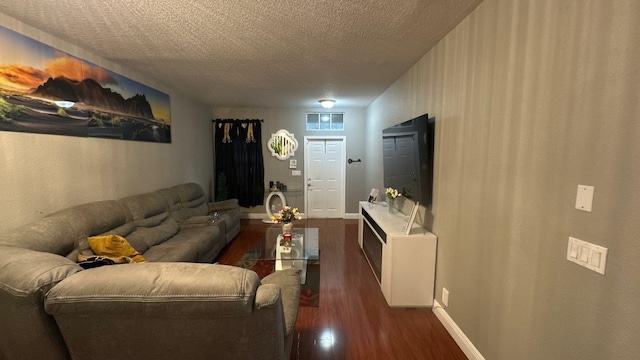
(303, 250)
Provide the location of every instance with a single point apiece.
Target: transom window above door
(325, 121)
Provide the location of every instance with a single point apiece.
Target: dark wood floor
(353, 320)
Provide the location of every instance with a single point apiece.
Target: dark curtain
(239, 167)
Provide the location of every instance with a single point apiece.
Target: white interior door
(325, 174)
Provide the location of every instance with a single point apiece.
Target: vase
(287, 227)
(391, 203)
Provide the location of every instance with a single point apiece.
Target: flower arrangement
(287, 214)
(392, 193)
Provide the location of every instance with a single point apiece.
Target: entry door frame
(343, 164)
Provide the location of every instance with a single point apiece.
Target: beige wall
(531, 99)
(41, 174)
(294, 121)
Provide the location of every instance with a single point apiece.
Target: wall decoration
(282, 144)
(44, 90)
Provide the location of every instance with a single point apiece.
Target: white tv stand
(404, 265)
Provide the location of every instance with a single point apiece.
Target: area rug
(309, 291)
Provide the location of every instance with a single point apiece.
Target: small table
(304, 248)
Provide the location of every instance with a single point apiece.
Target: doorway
(324, 171)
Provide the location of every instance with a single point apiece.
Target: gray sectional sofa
(176, 305)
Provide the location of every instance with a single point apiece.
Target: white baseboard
(352, 216)
(253, 216)
(456, 333)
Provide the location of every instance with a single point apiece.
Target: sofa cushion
(188, 245)
(65, 232)
(202, 239)
(154, 224)
(193, 199)
(204, 220)
(47, 235)
(173, 201)
(171, 251)
(185, 201)
(114, 246)
(153, 231)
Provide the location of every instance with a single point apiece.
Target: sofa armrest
(224, 205)
(289, 283)
(28, 332)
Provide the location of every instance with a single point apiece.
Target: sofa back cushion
(50, 235)
(193, 199)
(151, 217)
(175, 204)
(186, 201)
(65, 232)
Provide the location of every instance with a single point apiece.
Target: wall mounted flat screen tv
(408, 152)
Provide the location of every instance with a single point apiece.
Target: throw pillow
(114, 246)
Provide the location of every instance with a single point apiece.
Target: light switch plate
(584, 197)
(591, 256)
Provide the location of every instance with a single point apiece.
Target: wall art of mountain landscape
(31, 87)
(88, 91)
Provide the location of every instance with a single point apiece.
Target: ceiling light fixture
(327, 103)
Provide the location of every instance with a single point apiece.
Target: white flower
(392, 193)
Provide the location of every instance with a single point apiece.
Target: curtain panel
(239, 166)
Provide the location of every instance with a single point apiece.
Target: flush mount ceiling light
(327, 103)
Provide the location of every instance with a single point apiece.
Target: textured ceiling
(254, 53)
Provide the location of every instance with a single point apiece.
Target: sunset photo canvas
(44, 90)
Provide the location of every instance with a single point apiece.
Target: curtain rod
(236, 120)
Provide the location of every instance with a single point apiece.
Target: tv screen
(408, 158)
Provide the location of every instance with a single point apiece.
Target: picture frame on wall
(44, 90)
(412, 218)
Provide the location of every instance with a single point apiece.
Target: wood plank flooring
(353, 320)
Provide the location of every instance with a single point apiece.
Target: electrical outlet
(445, 297)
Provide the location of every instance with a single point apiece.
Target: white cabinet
(404, 265)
